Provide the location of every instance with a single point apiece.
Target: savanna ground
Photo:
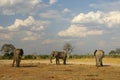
(76, 69)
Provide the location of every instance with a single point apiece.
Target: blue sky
(40, 26)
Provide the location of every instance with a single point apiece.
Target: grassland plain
(76, 69)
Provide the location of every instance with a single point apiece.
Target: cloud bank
(79, 31)
(81, 23)
(109, 19)
(12, 7)
(27, 29)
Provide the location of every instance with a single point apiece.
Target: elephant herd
(99, 54)
(18, 53)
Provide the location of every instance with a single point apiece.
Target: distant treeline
(42, 56)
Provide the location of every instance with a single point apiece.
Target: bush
(114, 56)
(29, 57)
(36, 57)
(81, 56)
(43, 56)
(6, 56)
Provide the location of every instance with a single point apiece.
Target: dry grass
(74, 70)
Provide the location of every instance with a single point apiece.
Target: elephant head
(18, 53)
(58, 55)
(99, 54)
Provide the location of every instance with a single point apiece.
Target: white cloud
(27, 29)
(66, 10)
(107, 6)
(52, 1)
(110, 19)
(18, 24)
(30, 36)
(29, 23)
(48, 41)
(9, 2)
(50, 14)
(54, 14)
(6, 36)
(79, 31)
(37, 28)
(11, 7)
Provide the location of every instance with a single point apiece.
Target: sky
(41, 26)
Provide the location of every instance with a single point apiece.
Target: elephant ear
(21, 52)
(95, 52)
(11, 54)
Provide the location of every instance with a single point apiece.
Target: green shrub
(6, 56)
(29, 57)
(43, 56)
(113, 56)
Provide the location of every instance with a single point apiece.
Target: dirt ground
(77, 69)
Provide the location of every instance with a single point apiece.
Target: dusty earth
(74, 70)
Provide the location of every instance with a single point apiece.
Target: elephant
(58, 55)
(17, 55)
(99, 54)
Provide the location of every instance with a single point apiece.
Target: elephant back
(59, 54)
(99, 53)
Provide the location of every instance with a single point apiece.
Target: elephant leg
(64, 61)
(101, 62)
(97, 62)
(13, 62)
(51, 60)
(57, 60)
(17, 62)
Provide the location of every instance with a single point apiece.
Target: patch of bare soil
(31, 70)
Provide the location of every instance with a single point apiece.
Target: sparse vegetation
(46, 56)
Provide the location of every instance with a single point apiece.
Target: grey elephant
(99, 54)
(17, 55)
(58, 55)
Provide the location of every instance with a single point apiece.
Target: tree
(117, 50)
(112, 52)
(68, 48)
(7, 48)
